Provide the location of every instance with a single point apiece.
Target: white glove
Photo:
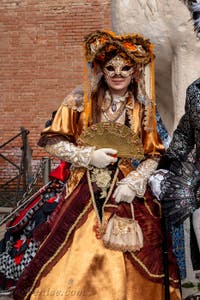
(103, 157)
(124, 193)
(155, 180)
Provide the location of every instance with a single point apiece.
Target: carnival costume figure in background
(177, 181)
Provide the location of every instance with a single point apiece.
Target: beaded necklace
(111, 109)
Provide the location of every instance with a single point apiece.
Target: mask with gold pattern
(118, 66)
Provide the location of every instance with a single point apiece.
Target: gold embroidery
(75, 176)
(111, 205)
(149, 209)
(102, 177)
(101, 222)
(148, 272)
(100, 230)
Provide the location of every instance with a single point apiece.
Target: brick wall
(41, 61)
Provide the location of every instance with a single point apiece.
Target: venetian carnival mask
(118, 66)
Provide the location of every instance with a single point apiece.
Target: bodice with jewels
(114, 107)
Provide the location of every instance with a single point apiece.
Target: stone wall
(41, 59)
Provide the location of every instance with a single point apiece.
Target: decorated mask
(118, 66)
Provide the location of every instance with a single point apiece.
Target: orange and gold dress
(73, 262)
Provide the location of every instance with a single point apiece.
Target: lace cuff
(78, 156)
(137, 180)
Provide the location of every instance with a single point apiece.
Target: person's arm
(182, 143)
(135, 183)
(59, 138)
(82, 156)
(183, 139)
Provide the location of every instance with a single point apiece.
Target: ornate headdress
(101, 46)
(194, 8)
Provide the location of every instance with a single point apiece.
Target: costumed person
(26, 228)
(105, 241)
(177, 181)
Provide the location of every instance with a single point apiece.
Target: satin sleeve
(67, 125)
(153, 146)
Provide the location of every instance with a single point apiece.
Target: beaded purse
(123, 234)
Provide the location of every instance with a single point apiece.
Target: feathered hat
(103, 45)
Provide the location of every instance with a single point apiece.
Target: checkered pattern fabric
(10, 269)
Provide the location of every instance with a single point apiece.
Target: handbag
(123, 234)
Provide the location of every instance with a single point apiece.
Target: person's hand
(155, 180)
(124, 193)
(101, 158)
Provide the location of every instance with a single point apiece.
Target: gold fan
(113, 135)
